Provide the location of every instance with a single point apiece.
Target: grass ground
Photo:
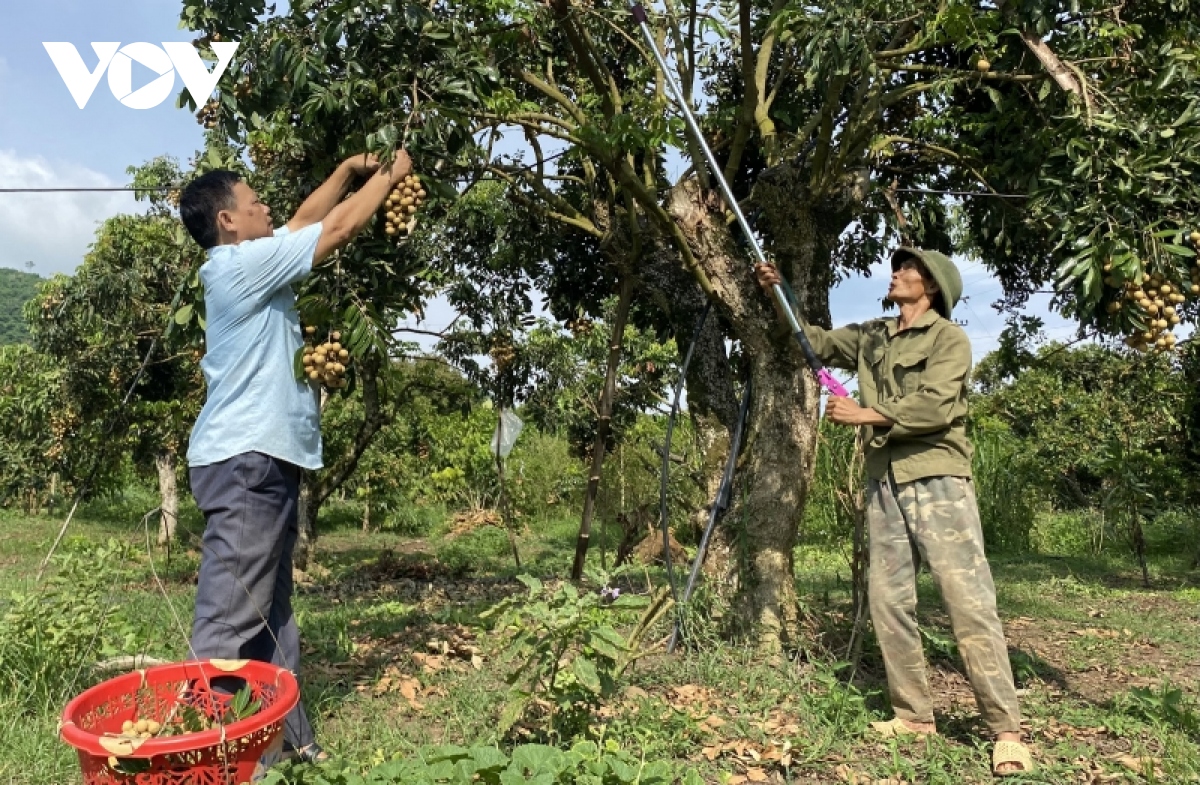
(1108, 670)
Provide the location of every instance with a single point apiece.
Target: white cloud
(53, 230)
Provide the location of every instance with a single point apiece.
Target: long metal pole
(719, 503)
(825, 378)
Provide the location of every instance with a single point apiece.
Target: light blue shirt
(255, 403)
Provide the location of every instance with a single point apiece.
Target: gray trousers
(244, 593)
(936, 520)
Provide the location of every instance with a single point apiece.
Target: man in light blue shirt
(260, 426)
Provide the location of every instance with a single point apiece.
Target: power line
(978, 193)
(89, 190)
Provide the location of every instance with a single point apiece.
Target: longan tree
(307, 89)
(102, 324)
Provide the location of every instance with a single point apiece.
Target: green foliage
(1087, 429)
(828, 515)
(1168, 705)
(100, 324)
(585, 763)
(570, 371)
(16, 289)
(52, 634)
(32, 410)
(1080, 413)
(1008, 487)
(565, 649)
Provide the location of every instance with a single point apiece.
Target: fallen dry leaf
(1140, 765)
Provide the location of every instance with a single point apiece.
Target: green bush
(1007, 489)
(413, 520)
(563, 648)
(485, 548)
(585, 763)
(1075, 533)
(51, 635)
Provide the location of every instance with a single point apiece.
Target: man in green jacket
(912, 377)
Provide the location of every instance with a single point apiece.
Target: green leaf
(536, 758)
(512, 711)
(488, 758)
(532, 583)
(631, 601)
(585, 670)
(1178, 250)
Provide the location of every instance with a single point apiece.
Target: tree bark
(750, 564)
(751, 559)
(306, 515)
(603, 426)
(168, 489)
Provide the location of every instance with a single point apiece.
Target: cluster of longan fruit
(142, 729)
(209, 113)
(262, 156)
(401, 207)
(326, 362)
(579, 327)
(1154, 305)
(502, 353)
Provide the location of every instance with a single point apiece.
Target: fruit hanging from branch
(325, 363)
(209, 114)
(1149, 309)
(400, 209)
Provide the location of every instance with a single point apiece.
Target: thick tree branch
(1070, 81)
(825, 141)
(551, 91)
(762, 114)
(746, 117)
(589, 59)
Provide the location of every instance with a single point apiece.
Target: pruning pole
(824, 377)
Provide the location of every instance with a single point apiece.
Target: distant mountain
(16, 288)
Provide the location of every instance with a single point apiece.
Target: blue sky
(47, 141)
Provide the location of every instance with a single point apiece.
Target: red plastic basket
(229, 755)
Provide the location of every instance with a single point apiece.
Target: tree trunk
(314, 492)
(1139, 547)
(168, 490)
(751, 556)
(306, 515)
(751, 561)
(603, 426)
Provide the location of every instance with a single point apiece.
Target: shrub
(52, 634)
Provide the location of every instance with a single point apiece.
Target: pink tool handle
(827, 381)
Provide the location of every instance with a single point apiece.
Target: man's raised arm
(321, 201)
(343, 223)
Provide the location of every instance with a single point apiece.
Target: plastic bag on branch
(507, 431)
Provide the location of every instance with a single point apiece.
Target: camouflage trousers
(936, 520)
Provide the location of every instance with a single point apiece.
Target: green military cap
(940, 268)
